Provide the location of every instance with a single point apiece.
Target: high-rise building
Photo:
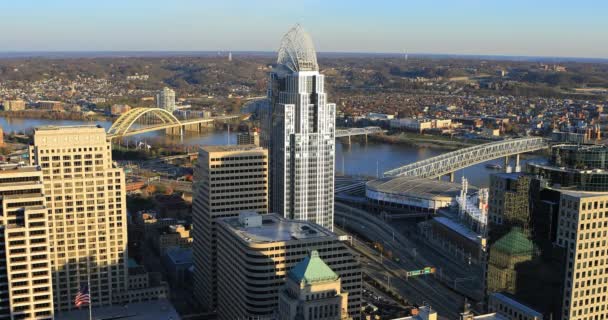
(510, 199)
(256, 252)
(248, 138)
(582, 228)
(505, 254)
(165, 99)
(559, 266)
(299, 128)
(86, 201)
(312, 291)
(227, 181)
(25, 273)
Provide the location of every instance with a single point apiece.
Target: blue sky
(506, 27)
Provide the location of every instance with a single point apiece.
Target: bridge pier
(517, 166)
(451, 176)
(508, 168)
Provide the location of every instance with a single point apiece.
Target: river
(359, 158)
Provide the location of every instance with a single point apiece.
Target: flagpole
(90, 291)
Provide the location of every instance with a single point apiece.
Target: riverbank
(49, 115)
(427, 141)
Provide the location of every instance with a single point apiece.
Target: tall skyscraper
(228, 180)
(86, 200)
(255, 254)
(25, 273)
(165, 99)
(299, 129)
(583, 223)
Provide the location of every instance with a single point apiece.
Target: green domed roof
(514, 243)
(312, 269)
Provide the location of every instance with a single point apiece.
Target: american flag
(82, 297)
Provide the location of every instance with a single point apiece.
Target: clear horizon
(518, 28)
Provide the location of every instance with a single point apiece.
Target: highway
(457, 275)
(424, 290)
(414, 256)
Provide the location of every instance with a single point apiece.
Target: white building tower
(165, 99)
(299, 129)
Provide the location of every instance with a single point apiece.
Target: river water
(359, 158)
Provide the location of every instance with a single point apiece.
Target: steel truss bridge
(450, 162)
(142, 120)
(358, 131)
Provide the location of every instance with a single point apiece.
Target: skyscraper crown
(297, 51)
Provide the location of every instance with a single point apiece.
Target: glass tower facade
(577, 167)
(299, 129)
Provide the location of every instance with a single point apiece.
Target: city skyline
(191, 185)
(517, 28)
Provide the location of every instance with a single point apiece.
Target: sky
(557, 28)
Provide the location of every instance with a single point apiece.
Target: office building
(510, 199)
(25, 274)
(582, 228)
(575, 167)
(312, 291)
(558, 266)
(86, 204)
(165, 99)
(508, 251)
(227, 181)
(507, 306)
(299, 128)
(13, 105)
(256, 252)
(50, 105)
(248, 138)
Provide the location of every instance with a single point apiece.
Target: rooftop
(12, 168)
(512, 302)
(229, 148)
(150, 310)
(510, 175)
(458, 228)
(275, 228)
(515, 243)
(180, 255)
(56, 128)
(312, 269)
(421, 187)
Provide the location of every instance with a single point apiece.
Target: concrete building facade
(255, 254)
(312, 291)
(227, 180)
(582, 229)
(25, 274)
(86, 204)
(248, 138)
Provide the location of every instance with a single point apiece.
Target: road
(419, 290)
(464, 278)
(415, 255)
